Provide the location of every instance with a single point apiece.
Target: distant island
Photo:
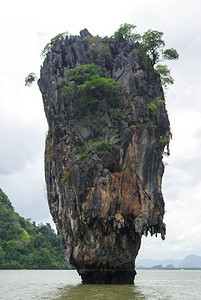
(190, 262)
(23, 245)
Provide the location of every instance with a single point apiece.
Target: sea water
(66, 284)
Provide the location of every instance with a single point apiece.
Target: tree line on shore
(23, 245)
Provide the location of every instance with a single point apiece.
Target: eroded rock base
(107, 277)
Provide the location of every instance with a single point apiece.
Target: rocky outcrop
(108, 128)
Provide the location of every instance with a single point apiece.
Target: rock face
(108, 127)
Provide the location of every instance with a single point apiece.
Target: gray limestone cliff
(108, 129)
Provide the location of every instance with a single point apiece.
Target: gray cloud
(27, 191)
(19, 145)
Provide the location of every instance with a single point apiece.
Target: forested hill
(23, 245)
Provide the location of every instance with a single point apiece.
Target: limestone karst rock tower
(108, 127)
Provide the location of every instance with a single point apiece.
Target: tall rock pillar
(108, 129)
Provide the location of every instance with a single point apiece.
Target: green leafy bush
(117, 115)
(164, 72)
(90, 84)
(92, 39)
(67, 92)
(64, 178)
(92, 91)
(82, 73)
(161, 144)
(92, 121)
(90, 147)
(142, 53)
(152, 42)
(49, 45)
(31, 77)
(170, 54)
(125, 32)
(150, 48)
(104, 50)
(152, 111)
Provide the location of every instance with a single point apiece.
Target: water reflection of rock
(98, 292)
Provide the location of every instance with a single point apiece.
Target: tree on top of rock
(152, 45)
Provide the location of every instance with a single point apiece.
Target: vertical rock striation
(108, 127)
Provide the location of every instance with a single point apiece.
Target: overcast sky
(26, 27)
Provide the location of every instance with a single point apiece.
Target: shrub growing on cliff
(104, 50)
(117, 115)
(152, 111)
(170, 54)
(64, 178)
(31, 77)
(161, 143)
(126, 32)
(91, 85)
(96, 47)
(67, 92)
(82, 73)
(164, 73)
(99, 148)
(153, 43)
(92, 91)
(151, 46)
(49, 45)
